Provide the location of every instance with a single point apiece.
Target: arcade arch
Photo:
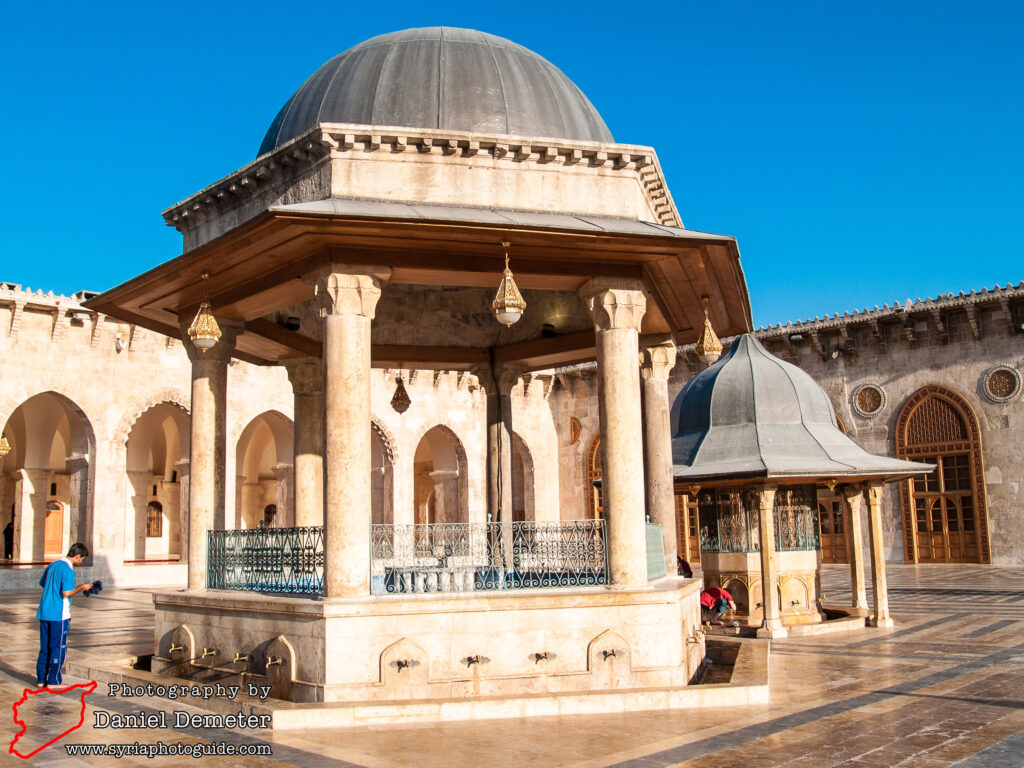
(382, 485)
(523, 496)
(945, 516)
(263, 464)
(440, 482)
(45, 479)
(156, 454)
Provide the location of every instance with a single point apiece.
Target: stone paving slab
(945, 687)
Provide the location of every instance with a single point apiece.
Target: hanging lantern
(5, 447)
(400, 401)
(709, 347)
(204, 330)
(508, 305)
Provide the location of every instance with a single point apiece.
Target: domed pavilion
(753, 439)
(437, 200)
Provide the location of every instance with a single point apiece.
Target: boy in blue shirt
(54, 614)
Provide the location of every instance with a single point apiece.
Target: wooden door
(53, 535)
(687, 528)
(944, 512)
(831, 527)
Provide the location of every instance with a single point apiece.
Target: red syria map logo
(84, 688)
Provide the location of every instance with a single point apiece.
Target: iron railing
(796, 519)
(465, 557)
(267, 560)
(730, 522)
(727, 524)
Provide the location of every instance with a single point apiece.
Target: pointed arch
(264, 457)
(441, 477)
(155, 500)
(945, 514)
(52, 466)
(382, 468)
(591, 473)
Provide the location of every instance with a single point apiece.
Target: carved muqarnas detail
(868, 399)
(1002, 383)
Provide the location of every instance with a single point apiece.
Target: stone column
(446, 495)
(882, 618)
(771, 626)
(284, 473)
(617, 307)
(182, 467)
(659, 357)
(207, 460)
(348, 299)
(498, 381)
(307, 378)
(852, 498)
(80, 502)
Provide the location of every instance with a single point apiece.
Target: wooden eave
(269, 262)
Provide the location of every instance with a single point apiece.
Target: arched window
(154, 519)
(595, 494)
(945, 518)
(269, 515)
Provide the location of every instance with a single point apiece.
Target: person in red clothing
(714, 602)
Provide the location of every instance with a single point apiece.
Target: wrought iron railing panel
(796, 519)
(466, 557)
(727, 524)
(267, 560)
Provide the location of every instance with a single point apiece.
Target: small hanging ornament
(508, 305)
(709, 347)
(204, 330)
(400, 401)
(5, 447)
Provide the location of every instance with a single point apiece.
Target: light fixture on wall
(709, 346)
(508, 305)
(204, 330)
(5, 447)
(400, 401)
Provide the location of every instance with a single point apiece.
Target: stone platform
(436, 647)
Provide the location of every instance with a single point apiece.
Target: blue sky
(861, 152)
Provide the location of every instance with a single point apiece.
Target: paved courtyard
(946, 687)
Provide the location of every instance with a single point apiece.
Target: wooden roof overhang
(266, 264)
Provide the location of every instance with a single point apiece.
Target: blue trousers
(53, 647)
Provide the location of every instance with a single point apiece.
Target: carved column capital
(875, 489)
(499, 378)
(306, 376)
(615, 304)
(851, 494)
(658, 357)
(345, 290)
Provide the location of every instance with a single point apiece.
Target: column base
(772, 630)
(860, 610)
(883, 623)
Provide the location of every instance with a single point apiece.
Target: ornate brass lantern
(204, 330)
(5, 447)
(400, 401)
(508, 305)
(709, 346)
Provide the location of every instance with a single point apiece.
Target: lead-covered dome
(753, 415)
(441, 78)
